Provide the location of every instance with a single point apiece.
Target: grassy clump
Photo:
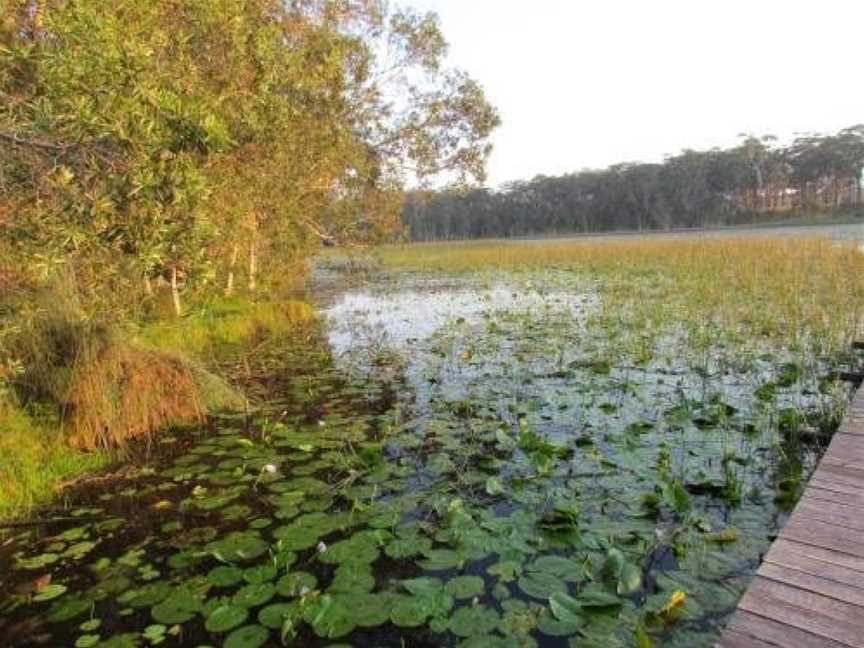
(34, 460)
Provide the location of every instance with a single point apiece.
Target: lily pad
(295, 584)
(463, 587)
(541, 585)
(68, 608)
(275, 615)
(225, 618)
(225, 576)
(472, 621)
(254, 595)
(250, 636)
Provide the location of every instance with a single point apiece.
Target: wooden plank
(762, 629)
(734, 639)
(824, 535)
(808, 564)
(831, 512)
(841, 560)
(772, 604)
(817, 492)
(815, 604)
(851, 475)
(825, 482)
(813, 583)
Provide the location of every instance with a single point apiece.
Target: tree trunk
(175, 293)
(253, 254)
(229, 286)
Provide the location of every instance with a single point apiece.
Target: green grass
(35, 456)
(35, 461)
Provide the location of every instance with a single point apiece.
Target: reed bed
(801, 292)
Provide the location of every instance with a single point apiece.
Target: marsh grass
(804, 293)
(83, 389)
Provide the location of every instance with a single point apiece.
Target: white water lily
(321, 547)
(269, 468)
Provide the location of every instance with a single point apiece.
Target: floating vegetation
(521, 474)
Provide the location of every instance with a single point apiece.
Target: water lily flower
(321, 547)
(270, 468)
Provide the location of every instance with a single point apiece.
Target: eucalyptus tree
(147, 139)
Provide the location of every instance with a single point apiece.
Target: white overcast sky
(588, 83)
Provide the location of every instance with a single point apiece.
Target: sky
(589, 83)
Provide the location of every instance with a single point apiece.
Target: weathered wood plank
(814, 584)
(824, 535)
(832, 513)
(762, 629)
(841, 560)
(774, 603)
(815, 604)
(787, 558)
(818, 492)
(734, 639)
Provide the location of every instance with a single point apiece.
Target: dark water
(456, 463)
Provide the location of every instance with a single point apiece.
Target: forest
(166, 143)
(755, 181)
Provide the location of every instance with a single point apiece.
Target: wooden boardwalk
(809, 590)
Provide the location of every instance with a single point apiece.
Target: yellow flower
(677, 599)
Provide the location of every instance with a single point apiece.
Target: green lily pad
(410, 611)
(50, 592)
(274, 615)
(541, 585)
(472, 621)
(238, 547)
(566, 609)
(463, 587)
(260, 573)
(254, 595)
(250, 636)
(68, 608)
(408, 547)
(330, 617)
(225, 576)
(37, 562)
(353, 577)
(295, 583)
(225, 618)
(559, 566)
(181, 606)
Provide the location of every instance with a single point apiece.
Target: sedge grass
(799, 292)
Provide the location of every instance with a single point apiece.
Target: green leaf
(295, 584)
(50, 592)
(566, 609)
(250, 636)
(225, 618)
(463, 587)
(224, 576)
(254, 595)
(472, 621)
(541, 585)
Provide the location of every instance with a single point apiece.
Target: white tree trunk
(253, 254)
(229, 286)
(175, 293)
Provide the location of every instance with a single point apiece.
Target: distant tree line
(751, 181)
